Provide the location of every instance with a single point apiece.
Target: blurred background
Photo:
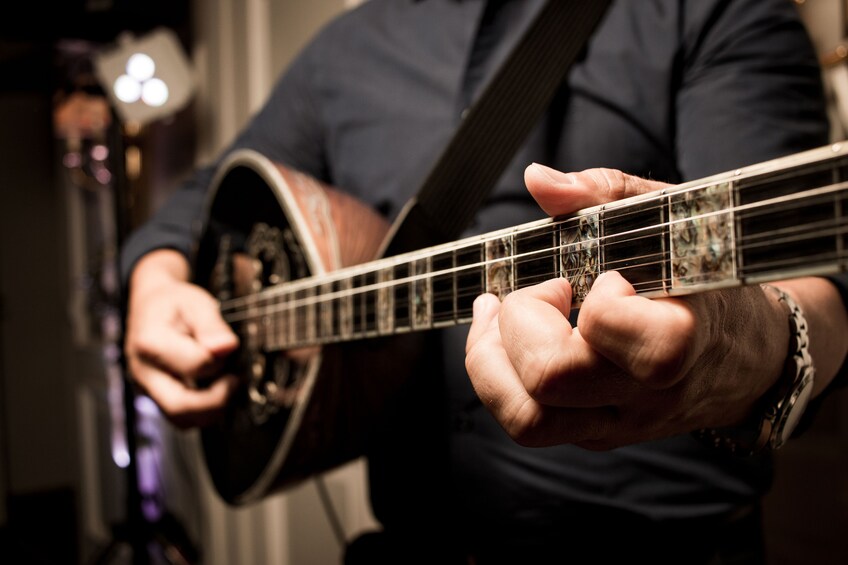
(91, 474)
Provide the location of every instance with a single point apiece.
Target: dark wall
(95, 20)
(38, 419)
(42, 370)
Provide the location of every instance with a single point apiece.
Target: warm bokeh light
(147, 77)
(141, 67)
(154, 92)
(127, 89)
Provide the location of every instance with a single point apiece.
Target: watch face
(791, 413)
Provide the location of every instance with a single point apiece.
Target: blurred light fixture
(147, 77)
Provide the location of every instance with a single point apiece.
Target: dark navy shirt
(668, 89)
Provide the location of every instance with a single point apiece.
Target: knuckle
(660, 365)
(664, 358)
(145, 343)
(618, 184)
(539, 378)
(523, 424)
(613, 183)
(591, 319)
(470, 361)
(171, 407)
(474, 358)
(199, 297)
(511, 305)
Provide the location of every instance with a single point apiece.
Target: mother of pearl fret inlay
(499, 271)
(579, 257)
(385, 302)
(422, 294)
(326, 310)
(346, 308)
(702, 236)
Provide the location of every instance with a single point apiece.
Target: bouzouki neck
(780, 219)
(273, 242)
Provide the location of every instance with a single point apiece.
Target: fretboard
(780, 219)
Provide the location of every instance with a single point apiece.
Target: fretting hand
(633, 369)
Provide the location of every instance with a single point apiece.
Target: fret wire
(349, 272)
(660, 198)
(828, 228)
(272, 308)
(663, 256)
(292, 305)
(271, 291)
(481, 264)
(825, 232)
(643, 286)
(746, 211)
(522, 259)
(658, 284)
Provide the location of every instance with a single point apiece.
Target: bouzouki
(291, 261)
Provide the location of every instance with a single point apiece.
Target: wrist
(779, 410)
(158, 268)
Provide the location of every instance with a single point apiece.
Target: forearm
(827, 319)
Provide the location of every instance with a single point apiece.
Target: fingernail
(554, 175)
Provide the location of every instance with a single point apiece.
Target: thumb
(560, 193)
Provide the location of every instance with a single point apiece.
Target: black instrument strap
(497, 124)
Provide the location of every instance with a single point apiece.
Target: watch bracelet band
(764, 429)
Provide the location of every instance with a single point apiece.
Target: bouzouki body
(304, 410)
(326, 328)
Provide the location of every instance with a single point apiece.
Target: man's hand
(175, 336)
(633, 369)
